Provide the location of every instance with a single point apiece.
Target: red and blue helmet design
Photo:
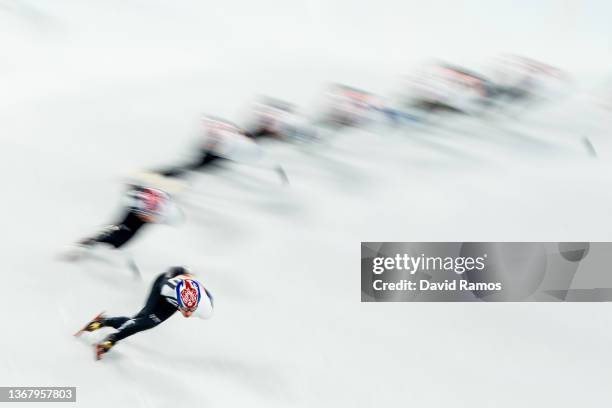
(188, 294)
(147, 201)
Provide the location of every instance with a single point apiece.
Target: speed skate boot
(95, 324)
(103, 348)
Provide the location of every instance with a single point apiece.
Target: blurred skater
(345, 106)
(142, 206)
(222, 140)
(172, 291)
(276, 119)
(442, 87)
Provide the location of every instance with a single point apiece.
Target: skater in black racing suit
(171, 292)
(144, 206)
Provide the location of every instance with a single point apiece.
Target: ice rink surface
(93, 90)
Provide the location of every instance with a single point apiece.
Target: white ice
(92, 90)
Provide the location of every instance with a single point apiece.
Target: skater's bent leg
(118, 234)
(203, 161)
(114, 235)
(144, 320)
(133, 326)
(155, 311)
(199, 163)
(174, 171)
(114, 322)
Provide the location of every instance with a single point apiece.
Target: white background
(92, 90)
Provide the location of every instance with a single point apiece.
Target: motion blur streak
(92, 90)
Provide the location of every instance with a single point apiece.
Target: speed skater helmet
(188, 294)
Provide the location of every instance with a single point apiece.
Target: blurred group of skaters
(433, 91)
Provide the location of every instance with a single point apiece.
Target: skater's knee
(114, 322)
(114, 235)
